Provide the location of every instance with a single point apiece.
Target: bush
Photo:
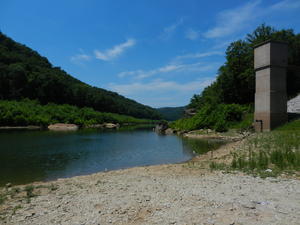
(220, 126)
(219, 117)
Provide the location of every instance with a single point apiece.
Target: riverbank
(21, 128)
(185, 193)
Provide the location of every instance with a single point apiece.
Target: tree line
(31, 112)
(228, 101)
(235, 83)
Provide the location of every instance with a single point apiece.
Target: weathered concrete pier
(270, 64)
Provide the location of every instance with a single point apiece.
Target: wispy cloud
(158, 93)
(192, 34)
(115, 51)
(230, 21)
(286, 5)
(160, 85)
(80, 58)
(198, 55)
(183, 68)
(170, 30)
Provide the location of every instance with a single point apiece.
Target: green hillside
(171, 113)
(26, 74)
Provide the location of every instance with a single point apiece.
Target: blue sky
(157, 52)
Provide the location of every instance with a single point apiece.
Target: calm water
(27, 156)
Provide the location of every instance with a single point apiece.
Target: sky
(157, 52)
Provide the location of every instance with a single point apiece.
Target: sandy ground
(186, 193)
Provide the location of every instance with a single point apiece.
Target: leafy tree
(260, 34)
(235, 83)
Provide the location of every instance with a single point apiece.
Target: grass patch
(218, 166)
(202, 146)
(292, 126)
(29, 192)
(268, 154)
(271, 153)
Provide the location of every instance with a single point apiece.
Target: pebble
(187, 198)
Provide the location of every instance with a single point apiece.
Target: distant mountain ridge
(171, 113)
(26, 74)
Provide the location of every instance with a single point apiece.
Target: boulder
(169, 131)
(161, 127)
(63, 127)
(111, 125)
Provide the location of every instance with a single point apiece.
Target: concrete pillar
(270, 63)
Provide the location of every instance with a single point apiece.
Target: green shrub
(29, 112)
(221, 126)
(219, 117)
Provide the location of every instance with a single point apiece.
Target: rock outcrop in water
(111, 125)
(163, 128)
(63, 127)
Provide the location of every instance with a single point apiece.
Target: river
(27, 156)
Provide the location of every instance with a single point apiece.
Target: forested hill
(26, 74)
(171, 113)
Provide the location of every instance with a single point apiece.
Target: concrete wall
(270, 62)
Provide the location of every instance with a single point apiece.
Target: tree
(235, 82)
(260, 34)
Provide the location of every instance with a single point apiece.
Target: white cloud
(198, 55)
(80, 58)
(159, 92)
(286, 5)
(170, 30)
(114, 52)
(231, 21)
(192, 34)
(160, 86)
(234, 20)
(192, 67)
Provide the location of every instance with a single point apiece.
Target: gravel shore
(164, 194)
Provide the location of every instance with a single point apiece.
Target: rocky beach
(185, 193)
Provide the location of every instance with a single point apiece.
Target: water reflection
(28, 156)
(201, 146)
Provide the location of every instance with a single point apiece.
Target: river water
(27, 156)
